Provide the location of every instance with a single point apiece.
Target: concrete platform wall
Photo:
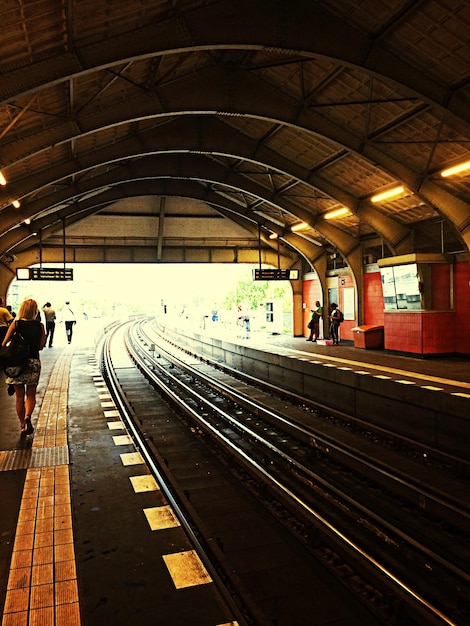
(438, 419)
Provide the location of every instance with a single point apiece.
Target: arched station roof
(192, 130)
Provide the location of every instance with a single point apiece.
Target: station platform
(77, 532)
(81, 515)
(449, 369)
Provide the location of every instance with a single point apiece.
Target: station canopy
(220, 131)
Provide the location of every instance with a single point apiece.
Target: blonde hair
(28, 310)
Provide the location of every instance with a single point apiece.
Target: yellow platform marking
(42, 585)
(132, 458)
(115, 425)
(161, 517)
(122, 440)
(114, 413)
(406, 382)
(186, 569)
(144, 483)
(461, 394)
(107, 405)
(383, 368)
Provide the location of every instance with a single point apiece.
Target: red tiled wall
(462, 307)
(373, 299)
(420, 332)
(440, 276)
(403, 331)
(438, 332)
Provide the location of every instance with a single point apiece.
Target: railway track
(349, 515)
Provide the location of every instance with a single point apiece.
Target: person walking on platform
(50, 317)
(5, 320)
(25, 384)
(314, 323)
(70, 320)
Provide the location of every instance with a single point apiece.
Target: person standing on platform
(10, 310)
(25, 384)
(50, 317)
(70, 321)
(5, 320)
(314, 323)
(335, 320)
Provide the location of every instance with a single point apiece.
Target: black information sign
(44, 273)
(275, 274)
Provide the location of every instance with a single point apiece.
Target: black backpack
(340, 315)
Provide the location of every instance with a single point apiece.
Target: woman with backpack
(24, 384)
(335, 320)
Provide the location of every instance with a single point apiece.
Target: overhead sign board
(44, 273)
(275, 274)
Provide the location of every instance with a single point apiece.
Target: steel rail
(126, 414)
(148, 365)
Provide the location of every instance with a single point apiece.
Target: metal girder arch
(305, 28)
(7, 274)
(122, 254)
(223, 140)
(189, 133)
(256, 99)
(456, 211)
(212, 136)
(399, 238)
(302, 247)
(199, 167)
(247, 224)
(93, 204)
(82, 209)
(21, 238)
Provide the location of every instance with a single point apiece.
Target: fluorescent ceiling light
(342, 212)
(299, 226)
(457, 169)
(3, 180)
(16, 204)
(388, 195)
(273, 236)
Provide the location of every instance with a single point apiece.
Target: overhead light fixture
(342, 212)
(273, 236)
(27, 221)
(16, 204)
(388, 195)
(462, 168)
(3, 180)
(299, 226)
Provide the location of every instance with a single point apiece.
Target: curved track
(317, 485)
